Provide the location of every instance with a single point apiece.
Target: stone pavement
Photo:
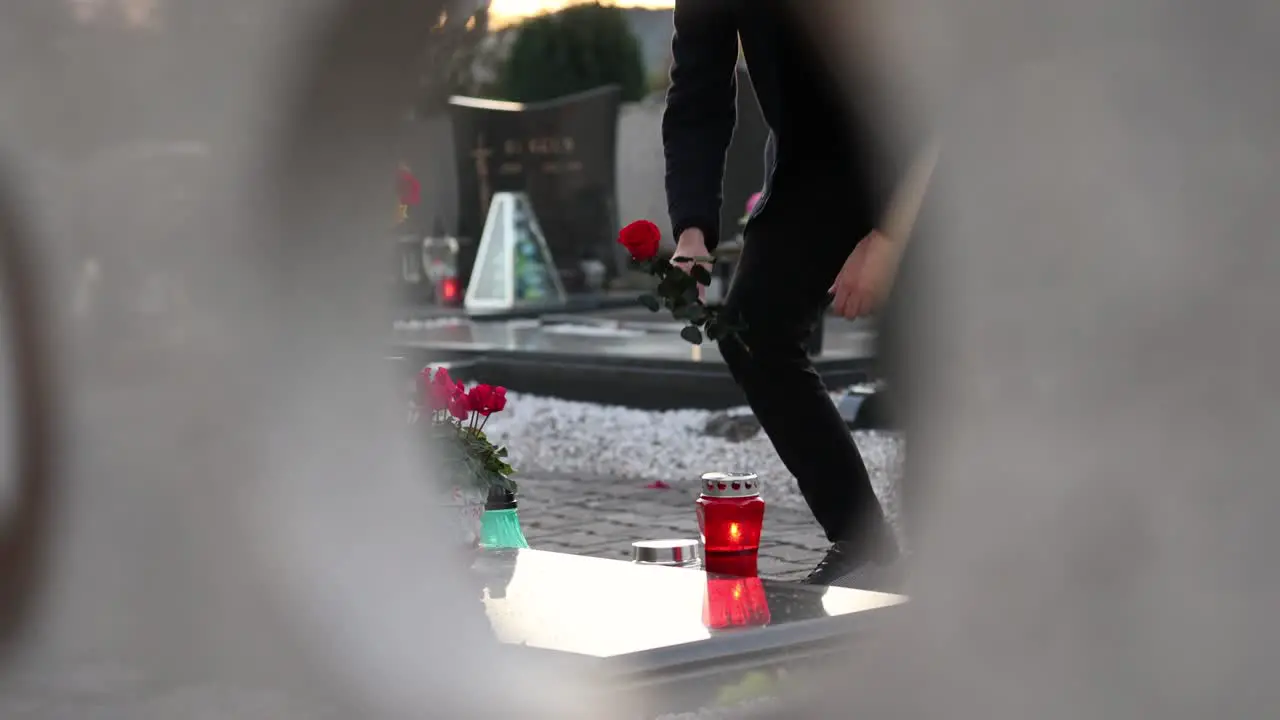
(601, 517)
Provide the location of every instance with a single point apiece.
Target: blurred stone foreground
(1086, 336)
(238, 531)
(1088, 331)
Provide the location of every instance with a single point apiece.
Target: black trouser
(789, 260)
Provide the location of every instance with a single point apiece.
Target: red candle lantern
(736, 564)
(730, 513)
(734, 602)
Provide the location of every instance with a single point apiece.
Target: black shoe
(847, 565)
(841, 559)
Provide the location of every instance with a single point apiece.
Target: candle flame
(735, 532)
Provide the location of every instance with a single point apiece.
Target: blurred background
(234, 233)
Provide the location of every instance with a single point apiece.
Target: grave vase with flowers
(470, 467)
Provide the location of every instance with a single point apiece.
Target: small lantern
(440, 258)
(500, 524)
(734, 602)
(730, 513)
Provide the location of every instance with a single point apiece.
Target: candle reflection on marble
(734, 602)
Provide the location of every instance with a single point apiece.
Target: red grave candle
(741, 564)
(730, 513)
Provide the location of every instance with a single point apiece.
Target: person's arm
(700, 115)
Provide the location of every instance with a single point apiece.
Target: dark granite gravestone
(744, 166)
(563, 153)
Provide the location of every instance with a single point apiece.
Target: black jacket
(822, 148)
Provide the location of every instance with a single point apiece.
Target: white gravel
(546, 435)
(426, 324)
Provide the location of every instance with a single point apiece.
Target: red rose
(487, 399)
(459, 405)
(640, 238)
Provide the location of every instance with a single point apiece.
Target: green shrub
(579, 48)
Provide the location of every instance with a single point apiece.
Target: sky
(504, 11)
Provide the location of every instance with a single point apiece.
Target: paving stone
(789, 575)
(633, 519)
(773, 568)
(811, 540)
(612, 553)
(556, 523)
(790, 553)
(598, 527)
(817, 545)
(578, 540)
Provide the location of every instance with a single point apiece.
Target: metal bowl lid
(730, 484)
(665, 552)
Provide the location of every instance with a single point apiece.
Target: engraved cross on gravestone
(481, 153)
(562, 154)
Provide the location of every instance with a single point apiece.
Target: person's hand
(867, 276)
(692, 244)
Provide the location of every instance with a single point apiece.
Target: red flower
(442, 378)
(459, 405)
(499, 399)
(437, 388)
(408, 187)
(640, 238)
(487, 399)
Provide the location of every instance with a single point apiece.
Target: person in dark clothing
(811, 240)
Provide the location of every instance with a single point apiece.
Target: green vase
(500, 524)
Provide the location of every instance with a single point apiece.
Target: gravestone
(744, 166)
(562, 153)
